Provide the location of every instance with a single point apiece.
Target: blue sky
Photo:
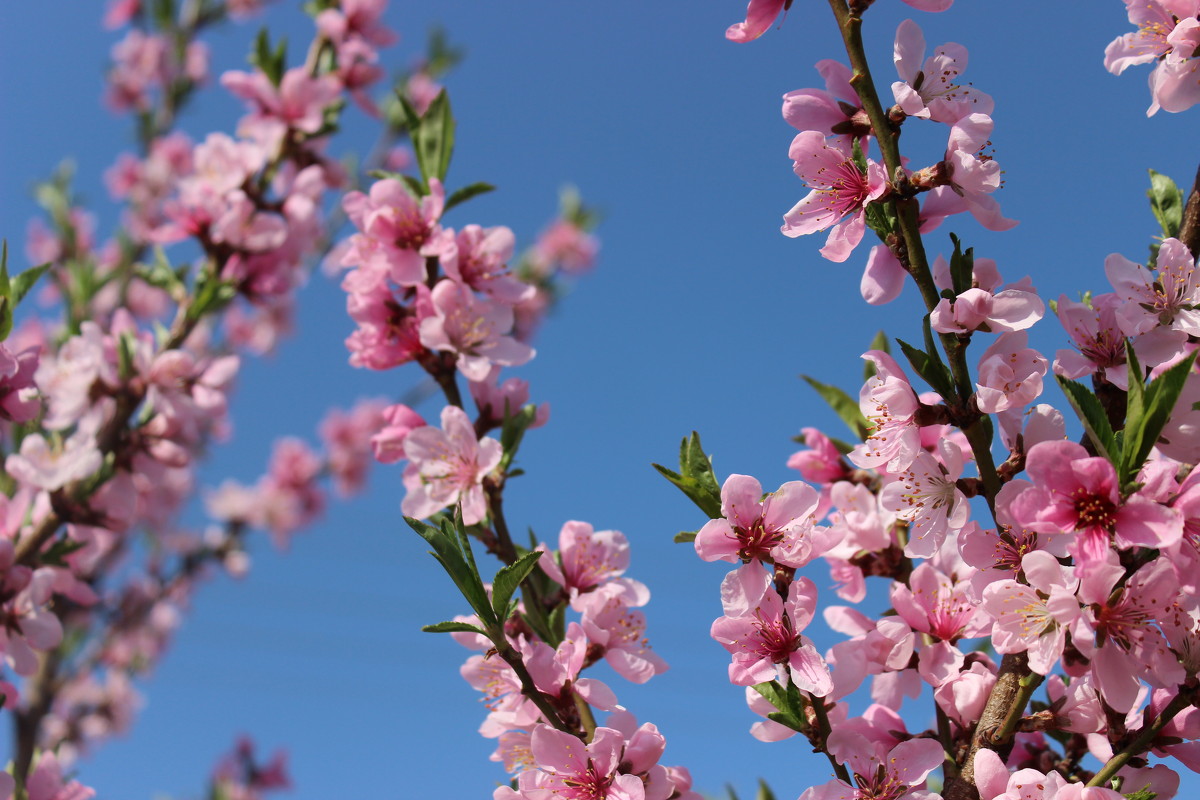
(700, 316)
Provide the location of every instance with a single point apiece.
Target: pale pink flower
(46, 782)
(1034, 617)
(762, 631)
(759, 16)
(479, 258)
(298, 102)
(973, 176)
(388, 442)
(839, 194)
(447, 466)
(780, 527)
(569, 769)
(880, 773)
(1097, 335)
(1010, 374)
(587, 559)
(888, 402)
(926, 495)
(620, 634)
(1169, 296)
(927, 87)
(49, 467)
(476, 331)
(834, 111)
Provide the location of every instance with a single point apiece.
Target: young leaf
(962, 266)
(448, 554)
(764, 791)
(695, 477)
(790, 713)
(509, 578)
(513, 432)
(466, 193)
(845, 406)
(1095, 421)
(1166, 201)
(684, 537)
(453, 627)
(1144, 425)
(433, 139)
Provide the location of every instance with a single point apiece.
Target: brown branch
(1189, 231)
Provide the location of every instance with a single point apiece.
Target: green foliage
(845, 406)
(695, 477)
(962, 266)
(459, 196)
(788, 701)
(13, 290)
(272, 62)
(1147, 411)
(1091, 414)
(513, 432)
(432, 135)
(453, 627)
(508, 579)
(1166, 201)
(928, 363)
(459, 565)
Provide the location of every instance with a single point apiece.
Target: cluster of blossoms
(1168, 36)
(459, 304)
(1082, 580)
(105, 414)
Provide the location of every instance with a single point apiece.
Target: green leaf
(962, 267)
(1166, 201)
(453, 627)
(791, 708)
(433, 138)
(508, 579)
(845, 406)
(764, 791)
(684, 537)
(1095, 421)
(1148, 414)
(26, 281)
(1143, 793)
(466, 193)
(934, 372)
(695, 477)
(465, 577)
(513, 432)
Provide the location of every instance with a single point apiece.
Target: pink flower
(839, 194)
(588, 559)
(398, 421)
(759, 16)
(880, 773)
(780, 527)
(1169, 296)
(1096, 332)
(46, 782)
(762, 631)
(569, 769)
(448, 466)
(1010, 374)
(888, 402)
(927, 496)
(475, 330)
(973, 176)
(620, 634)
(1075, 492)
(479, 258)
(298, 102)
(1034, 617)
(927, 87)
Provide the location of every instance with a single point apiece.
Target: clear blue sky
(699, 316)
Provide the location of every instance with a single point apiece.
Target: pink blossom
(479, 258)
(926, 495)
(974, 176)
(780, 527)
(1096, 332)
(1169, 296)
(564, 245)
(888, 402)
(927, 87)
(397, 232)
(572, 770)
(834, 111)
(447, 466)
(348, 439)
(46, 782)
(879, 773)
(1075, 492)
(588, 559)
(839, 194)
(51, 467)
(1010, 374)
(476, 331)
(620, 634)
(19, 400)
(388, 442)
(759, 16)
(934, 603)
(1034, 617)
(298, 102)
(762, 631)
